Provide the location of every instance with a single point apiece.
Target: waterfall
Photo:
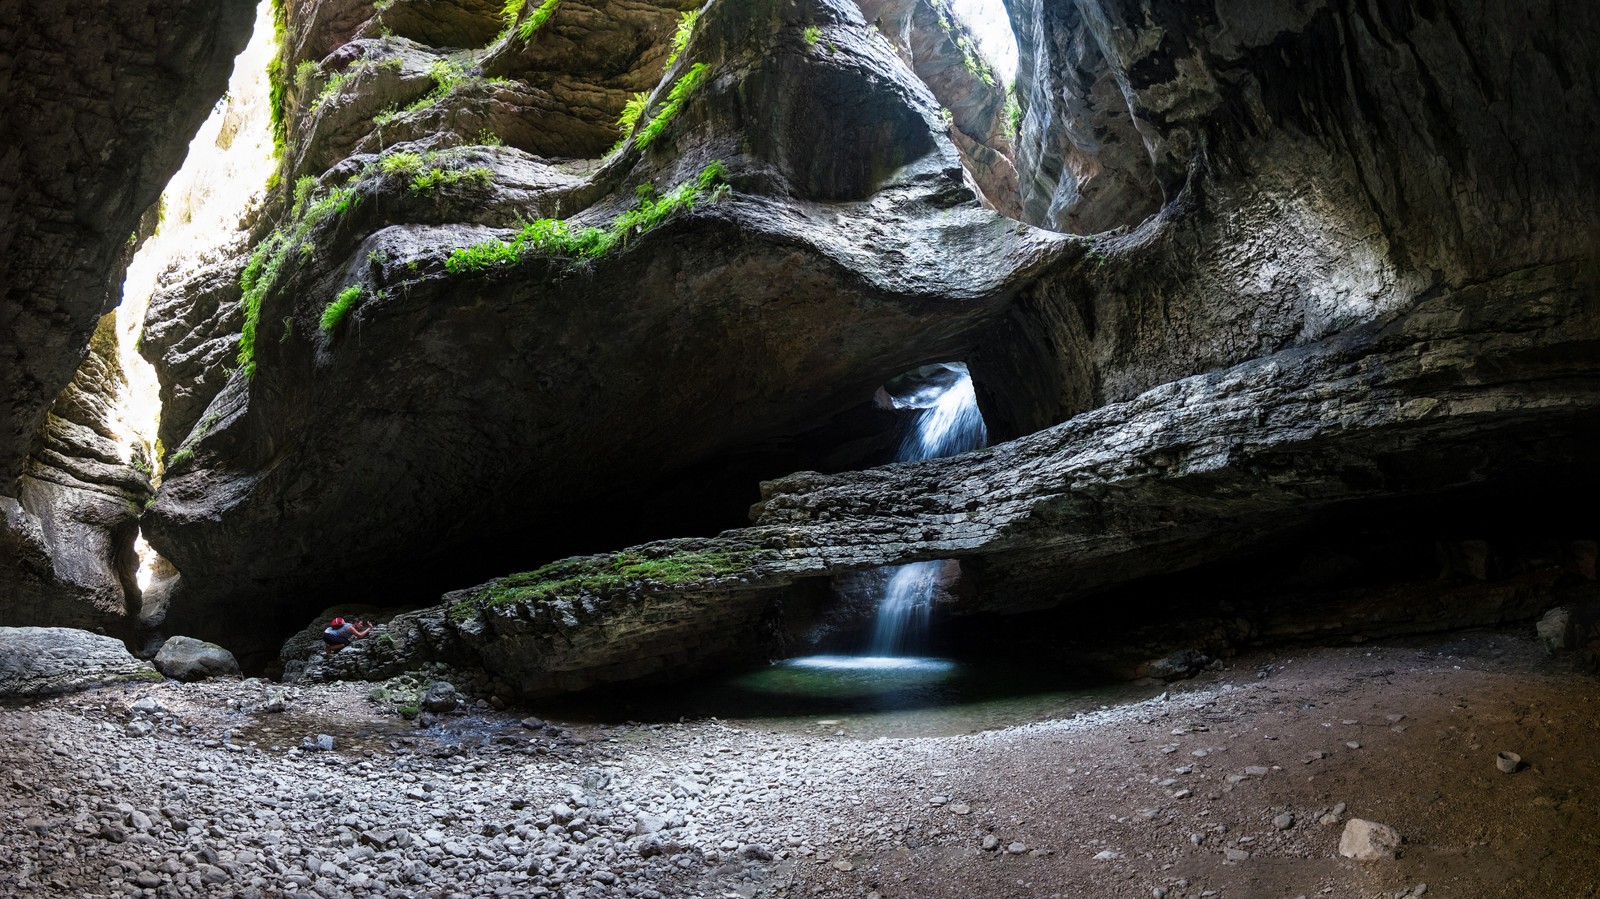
(948, 423)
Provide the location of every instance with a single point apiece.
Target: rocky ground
(1238, 784)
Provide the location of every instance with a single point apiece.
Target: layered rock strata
(68, 537)
(44, 661)
(1485, 386)
(1359, 222)
(1319, 166)
(466, 418)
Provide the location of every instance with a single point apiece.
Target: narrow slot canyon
(778, 448)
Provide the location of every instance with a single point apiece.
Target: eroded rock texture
(1320, 165)
(99, 100)
(944, 56)
(1349, 272)
(468, 421)
(36, 662)
(1487, 387)
(68, 535)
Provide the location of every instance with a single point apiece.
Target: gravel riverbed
(1234, 785)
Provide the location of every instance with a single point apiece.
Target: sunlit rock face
(68, 537)
(945, 55)
(99, 104)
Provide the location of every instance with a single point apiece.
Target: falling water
(948, 423)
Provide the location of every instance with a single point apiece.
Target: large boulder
(43, 661)
(188, 659)
(1368, 841)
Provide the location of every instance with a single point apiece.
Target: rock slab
(44, 661)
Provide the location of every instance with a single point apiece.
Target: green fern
(536, 21)
(680, 36)
(681, 89)
(338, 310)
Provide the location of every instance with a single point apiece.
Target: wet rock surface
(202, 790)
(805, 307)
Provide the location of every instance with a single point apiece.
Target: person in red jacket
(339, 633)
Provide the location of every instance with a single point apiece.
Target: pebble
(961, 808)
(1352, 745)
(843, 864)
(991, 842)
(1017, 848)
(1258, 770)
(1236, 855)
(1106, 855)
(1283, 821)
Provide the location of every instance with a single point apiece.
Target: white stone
(1368, 840)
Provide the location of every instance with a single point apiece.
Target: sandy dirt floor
(1237, 784)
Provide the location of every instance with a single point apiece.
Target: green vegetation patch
(1013, 113)
(536, 20)
(606, 574)
(812, 34)
(556, 238)
(971, 59)
(681, 35)
(277, 80)
(686, 84)
(341, 307)
(447, 75)
(431, 171)
(270, 256)
(336, 84)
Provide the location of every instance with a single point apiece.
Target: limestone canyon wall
(99, 102)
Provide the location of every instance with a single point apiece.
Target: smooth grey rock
(188, 659)
(42, 661)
